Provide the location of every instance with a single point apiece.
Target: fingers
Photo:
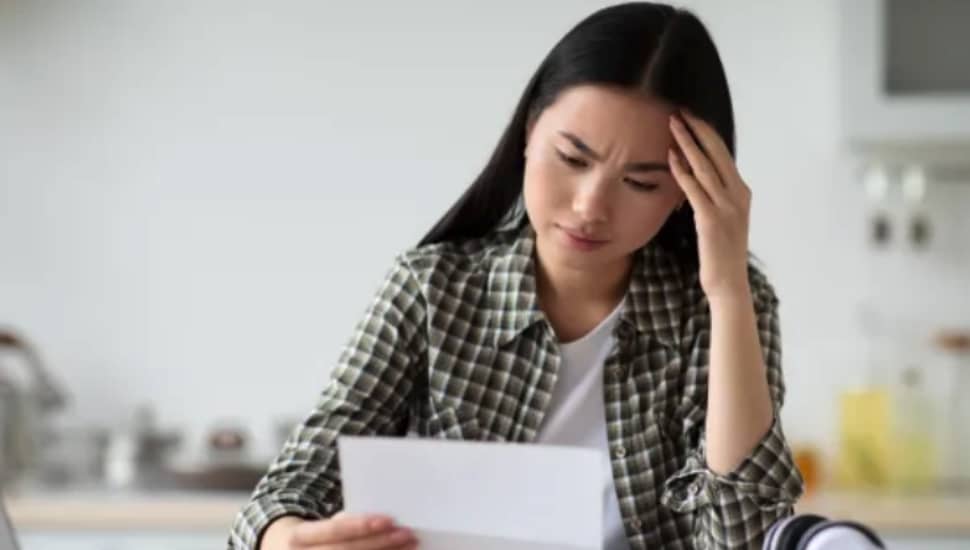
(699, 200)
(704, 172)
(408, 546)
(391, 540)
(351, 532)
(339, 528)
(714, 146)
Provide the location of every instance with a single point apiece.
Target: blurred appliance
(140, 454)
(8, 538)
(28, 397)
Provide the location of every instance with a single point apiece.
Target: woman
(592, 287)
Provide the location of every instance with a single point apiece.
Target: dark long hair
(656, 49)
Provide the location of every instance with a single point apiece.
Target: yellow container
(864, 454)
(885, 441)
(914, 463)
(914, 460)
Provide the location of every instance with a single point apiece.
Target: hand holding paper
(477, 496)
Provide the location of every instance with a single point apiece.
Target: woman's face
(597, 186)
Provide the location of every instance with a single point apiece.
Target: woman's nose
(591, 200)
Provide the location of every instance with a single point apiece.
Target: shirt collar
(655, 295)
(653, 300)
(511, 288)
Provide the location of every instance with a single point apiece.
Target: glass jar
(956, 344)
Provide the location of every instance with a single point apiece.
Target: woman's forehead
(604, 115)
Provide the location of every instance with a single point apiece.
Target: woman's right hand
(341, 532)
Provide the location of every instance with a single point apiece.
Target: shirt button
(620, 452)
(636, 524)
(616, 372)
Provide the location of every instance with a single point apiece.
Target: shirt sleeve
(367, 394)
(734, 510)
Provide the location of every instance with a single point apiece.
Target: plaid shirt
(455, 346)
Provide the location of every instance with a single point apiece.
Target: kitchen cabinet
(904, 74)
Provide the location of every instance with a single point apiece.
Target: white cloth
(577, 414)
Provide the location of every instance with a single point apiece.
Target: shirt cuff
(767, 478)
(252, 520)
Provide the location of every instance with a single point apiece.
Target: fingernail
(379, 523)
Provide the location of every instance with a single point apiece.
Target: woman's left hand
(721, 202)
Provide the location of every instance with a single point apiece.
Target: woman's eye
(643, 185)
(571, 161)
(580, 163)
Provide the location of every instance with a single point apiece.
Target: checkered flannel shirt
(454, 346)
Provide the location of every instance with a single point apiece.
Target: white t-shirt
(577, 417)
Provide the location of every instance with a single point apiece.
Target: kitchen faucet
(25, 404)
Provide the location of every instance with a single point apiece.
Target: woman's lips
(577, 240)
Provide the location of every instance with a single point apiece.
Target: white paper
(478, 495)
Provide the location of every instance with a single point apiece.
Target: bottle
(864, 430)
(808, 461)
(914, 458)
(864, 439)
(956, 344)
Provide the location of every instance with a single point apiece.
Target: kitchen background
(198, 199)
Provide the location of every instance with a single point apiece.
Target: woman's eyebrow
(631, 167)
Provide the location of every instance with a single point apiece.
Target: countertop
(141, 511)
(188, 511)
(889, 513)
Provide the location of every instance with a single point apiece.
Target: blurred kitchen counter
(138, 511)
(894, 513)
(213, 511)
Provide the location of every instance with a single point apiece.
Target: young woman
(591, 287)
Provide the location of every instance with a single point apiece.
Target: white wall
(197, 199)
